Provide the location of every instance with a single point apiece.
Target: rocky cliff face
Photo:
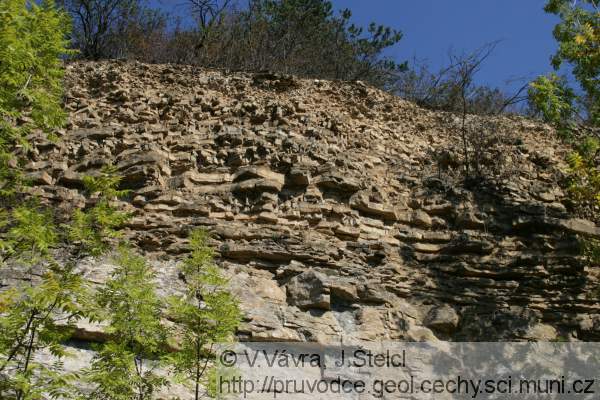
(336, 208)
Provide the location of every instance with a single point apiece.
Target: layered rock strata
(336, 209)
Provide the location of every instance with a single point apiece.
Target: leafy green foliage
(554, 100)
(578, 37)
(206, 314)
(591, 251)
(124, 368)
(39, 313)
(32, 42)
(39, 317)
(94, 228)
(584, 184)
(30, 236)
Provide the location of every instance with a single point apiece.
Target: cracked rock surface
(333, 206)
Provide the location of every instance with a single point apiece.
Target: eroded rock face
(332, 205)
(309, 290)
(442, 319)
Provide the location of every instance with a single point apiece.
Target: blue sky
(432, 27)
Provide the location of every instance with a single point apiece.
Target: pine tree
(206, 314)
(124, 367)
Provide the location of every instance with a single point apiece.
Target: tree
(576, 111)
(578, 37)
(206, 314)
(454, 89)
(466, 68)
(41, 313)
(32, 42)
(40, 317)
(125, 367)
(302, 37)
(442, 90)
(93, 229)
(366, 54)
(95, 21)
(306, 37)
(37, 314)
(208, 13)
(555, 101)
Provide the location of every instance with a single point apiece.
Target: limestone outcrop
(335, 208)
